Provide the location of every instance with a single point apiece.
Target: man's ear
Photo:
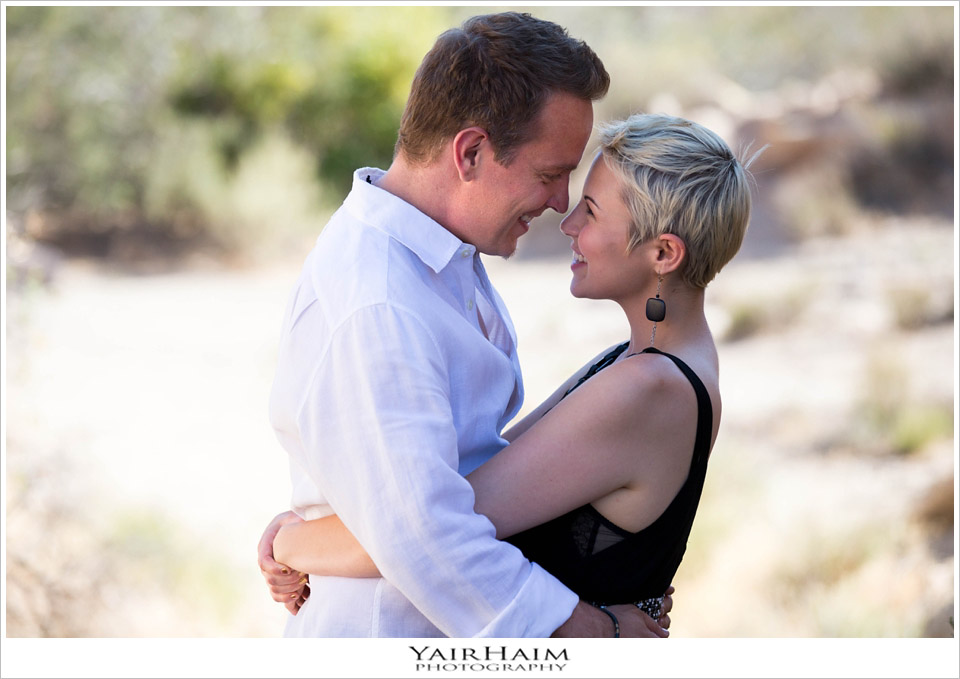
(468, 147)
(671, 252)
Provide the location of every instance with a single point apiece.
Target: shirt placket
(469, 285)
(509, 349)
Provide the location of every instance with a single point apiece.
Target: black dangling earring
(656, 309)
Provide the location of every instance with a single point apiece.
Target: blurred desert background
(168, 167)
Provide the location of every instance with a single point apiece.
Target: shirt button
(465, 254)
(469, 305)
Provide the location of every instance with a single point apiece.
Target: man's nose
(560, 198)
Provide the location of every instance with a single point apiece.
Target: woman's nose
(569, 225)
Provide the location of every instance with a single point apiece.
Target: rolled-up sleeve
(380, 442)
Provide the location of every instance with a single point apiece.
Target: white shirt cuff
(527, 615)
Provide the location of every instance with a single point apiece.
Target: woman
(600, 484)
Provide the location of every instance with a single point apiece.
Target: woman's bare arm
(326, 547)
(323, 547)
(628, 428)
(583, 449)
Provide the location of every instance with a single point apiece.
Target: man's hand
(589, 621)
(634, 622)
(287, 586)
(664, 618)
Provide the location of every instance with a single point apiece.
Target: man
(398, 365)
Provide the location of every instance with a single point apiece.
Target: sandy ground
(139, 403)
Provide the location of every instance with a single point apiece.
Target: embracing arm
(543, 474)
(326, 547)
(621, 439)
(546, 472)
(323, 547)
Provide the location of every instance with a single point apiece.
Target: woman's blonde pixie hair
(679, 177)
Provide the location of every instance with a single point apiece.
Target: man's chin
(508, 251)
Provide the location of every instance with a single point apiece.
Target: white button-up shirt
(387, 392)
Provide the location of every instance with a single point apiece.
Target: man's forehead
(550, 155)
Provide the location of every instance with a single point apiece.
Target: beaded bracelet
(616, 623)
(652, 606)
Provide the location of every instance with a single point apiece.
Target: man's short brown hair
(496, 71)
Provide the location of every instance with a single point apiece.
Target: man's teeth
(525, 219)
(578, 257)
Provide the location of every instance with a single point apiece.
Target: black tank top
(605, 564)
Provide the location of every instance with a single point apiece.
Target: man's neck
(428, 188)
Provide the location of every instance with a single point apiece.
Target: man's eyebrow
(557, 169)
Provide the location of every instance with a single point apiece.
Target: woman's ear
(671, 251)
(467, 148)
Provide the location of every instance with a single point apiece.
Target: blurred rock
(934, 511)
(938, 626)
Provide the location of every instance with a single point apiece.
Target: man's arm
(378, 429)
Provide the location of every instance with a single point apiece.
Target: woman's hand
(286, 585)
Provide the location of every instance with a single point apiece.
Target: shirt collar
(400, 220)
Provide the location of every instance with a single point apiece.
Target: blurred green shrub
(84, 91)
(159, 560)
(889, 418)
(261, 203)
(916, 426)
(138, 129)
(765, 313)
(335, 79)
(918, 306)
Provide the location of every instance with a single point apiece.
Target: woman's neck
(684, 323)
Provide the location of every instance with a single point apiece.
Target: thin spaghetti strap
(600, 365)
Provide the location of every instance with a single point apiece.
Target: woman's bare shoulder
(641, 377)
(639, 391)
